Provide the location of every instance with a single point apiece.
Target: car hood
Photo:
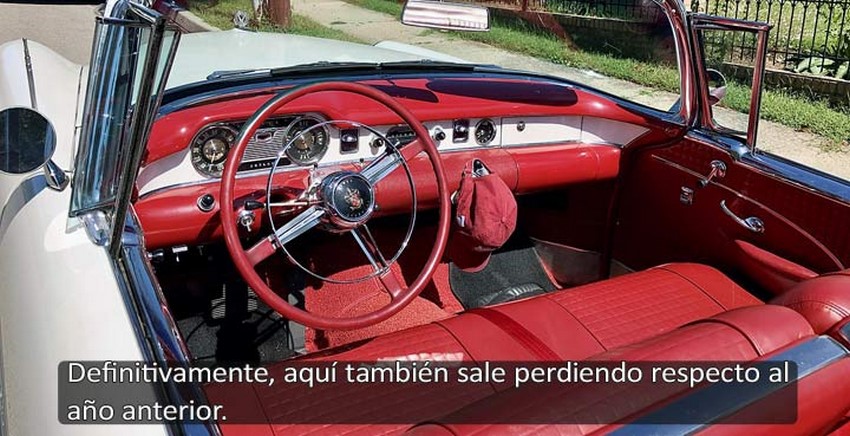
(199, 54)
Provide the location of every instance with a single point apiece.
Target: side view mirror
(27, 142)
(716, 86)
(446, 15)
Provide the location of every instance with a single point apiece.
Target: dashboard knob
(439, 134)
(206, 202)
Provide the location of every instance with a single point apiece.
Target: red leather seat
(824, 301)
(671, 312)
(744, 334)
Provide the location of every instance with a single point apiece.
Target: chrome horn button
(348, 197)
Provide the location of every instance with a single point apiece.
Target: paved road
(67, 29)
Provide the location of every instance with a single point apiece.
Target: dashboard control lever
(246, 219)
(718, 170)
(254, 205)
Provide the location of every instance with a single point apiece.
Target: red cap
(485, 218)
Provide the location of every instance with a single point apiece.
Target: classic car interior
(427, 210)
(479, 214)
(626, 246)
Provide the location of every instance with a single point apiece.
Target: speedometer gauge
(210, 147)
(308, 145)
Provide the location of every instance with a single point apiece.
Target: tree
(280, 12)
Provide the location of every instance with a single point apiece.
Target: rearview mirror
(27, 140)
(446, 15)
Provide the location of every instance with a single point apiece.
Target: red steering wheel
(335, 210)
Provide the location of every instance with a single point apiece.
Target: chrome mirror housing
(27, 140)
(446, 15)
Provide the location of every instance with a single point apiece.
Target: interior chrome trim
(770, 211)
(716, 402)
(753, 224)
(718, 170)
(776, 167)
(156, 331)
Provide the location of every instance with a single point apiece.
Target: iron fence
(629, 10)
(809, 36)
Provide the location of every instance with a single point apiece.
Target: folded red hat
(485, 217)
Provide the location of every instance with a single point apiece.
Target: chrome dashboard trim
(281, 170)
(247, 174)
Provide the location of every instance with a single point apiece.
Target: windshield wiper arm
(324, 66)
(225, 74)
(424, 64)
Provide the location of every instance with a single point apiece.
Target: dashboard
(535, 135)
(318, 141)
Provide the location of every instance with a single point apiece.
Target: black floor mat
(506, 269)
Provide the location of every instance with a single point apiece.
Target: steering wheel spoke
(370, 248)
(306, 220)
(297, 226)
(382, 166)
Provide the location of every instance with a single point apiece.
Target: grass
(219, 13)
(793, 111)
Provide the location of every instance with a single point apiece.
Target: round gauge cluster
(485, 131)
(309, 142)
(210, 147)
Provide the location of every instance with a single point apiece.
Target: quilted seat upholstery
(573, 324)
(743, 334)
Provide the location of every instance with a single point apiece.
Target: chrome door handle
(752, 223)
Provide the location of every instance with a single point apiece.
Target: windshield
(623, 47)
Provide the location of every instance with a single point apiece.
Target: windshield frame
(129, 67)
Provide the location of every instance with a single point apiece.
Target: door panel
(803, 231)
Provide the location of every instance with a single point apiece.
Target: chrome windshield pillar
(131, 57)
(156, 331)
